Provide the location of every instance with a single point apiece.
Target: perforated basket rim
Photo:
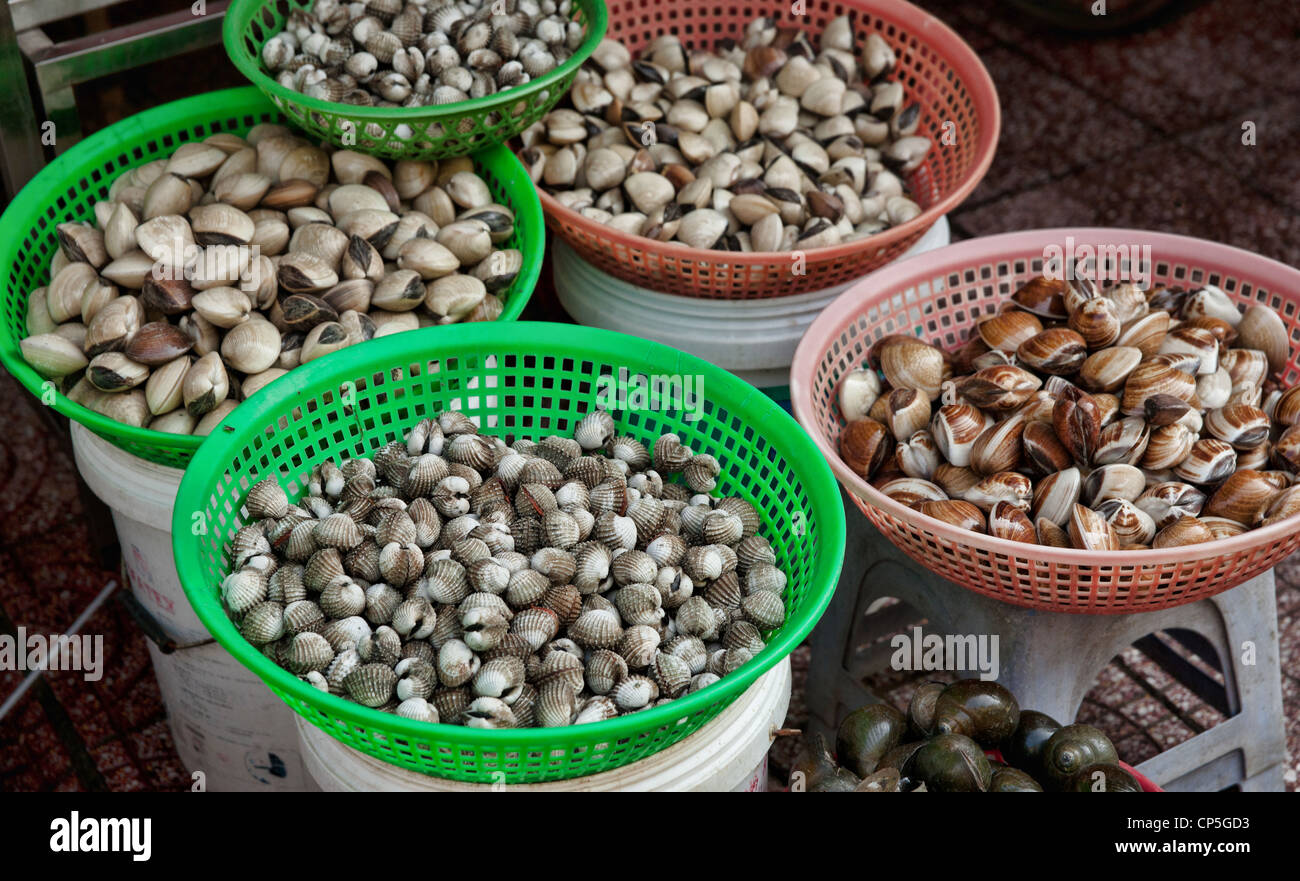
(88, 155)
(965, 63)
(534, 338)
(241, 12)
(885, 283)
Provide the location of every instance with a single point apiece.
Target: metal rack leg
(21, 155)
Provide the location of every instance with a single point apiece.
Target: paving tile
(50, 580)
(1146, 72)
(1049, 128)
(1148, 671)
(39, 479)
(1136, 749)
(1288, 600)
(1120, 689)
(1170, 732)
(1186, 654)
(1162, 187)
(1181, 696)
(140, 705)
(1206, 716)
(953, 14)
(70, 783)
(126, 778)
(84, 707)
(48, 759)
(1271, 165)
(1145, 712)
(1115, 726)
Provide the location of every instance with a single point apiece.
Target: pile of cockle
(767, 144)
(391, 53)
(1078, 417)
(455, 578)
(211, 273)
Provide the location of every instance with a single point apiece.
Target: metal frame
(51, 70)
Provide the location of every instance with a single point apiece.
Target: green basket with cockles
(525, 380)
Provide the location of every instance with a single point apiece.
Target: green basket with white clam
(173, 264)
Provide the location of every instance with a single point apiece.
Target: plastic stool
(1051, 660)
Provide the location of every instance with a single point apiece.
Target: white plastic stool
(1051, 660)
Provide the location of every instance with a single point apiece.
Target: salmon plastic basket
(960, 115)
(939, 297)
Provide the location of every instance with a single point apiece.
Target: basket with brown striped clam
(1086, 418)
(1056, 442)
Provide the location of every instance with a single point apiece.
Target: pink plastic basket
(960, 115)
(939, 296)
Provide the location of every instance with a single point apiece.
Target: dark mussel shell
(883, 780)
(866, 735)
(842, 780)
(900, 757)
(1008, 779)
(1104, 777)
(920, 712)
(952, 763)
(1073, 748)
(812, 764)
(986, 712)
(1024, 748)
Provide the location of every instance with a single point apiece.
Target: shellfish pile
(767, 144)
(211, 273)
(942, 744)
(455, 578)
(1079, 417)
(395, 53)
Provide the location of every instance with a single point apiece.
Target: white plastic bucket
(754, 339)
(226, 723)
(729, 754)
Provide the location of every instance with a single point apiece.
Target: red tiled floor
(1126, 195)
(1270, 166)
(1183, 72)
(1036, 145)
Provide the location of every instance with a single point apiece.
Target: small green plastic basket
(431, 132)
(70, 185)
(528, 380)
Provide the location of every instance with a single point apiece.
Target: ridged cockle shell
(597, 628)
(489, 712)
(308, 651)
(457, 663)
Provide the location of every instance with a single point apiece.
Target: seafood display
(472, 567)
(777, 142)
(967, 736)
(395, 53)
(1085, 418)
(454, 577)
(211, 273)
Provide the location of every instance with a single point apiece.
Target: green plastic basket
(431, 132)
(70, 185)
(527, 380)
